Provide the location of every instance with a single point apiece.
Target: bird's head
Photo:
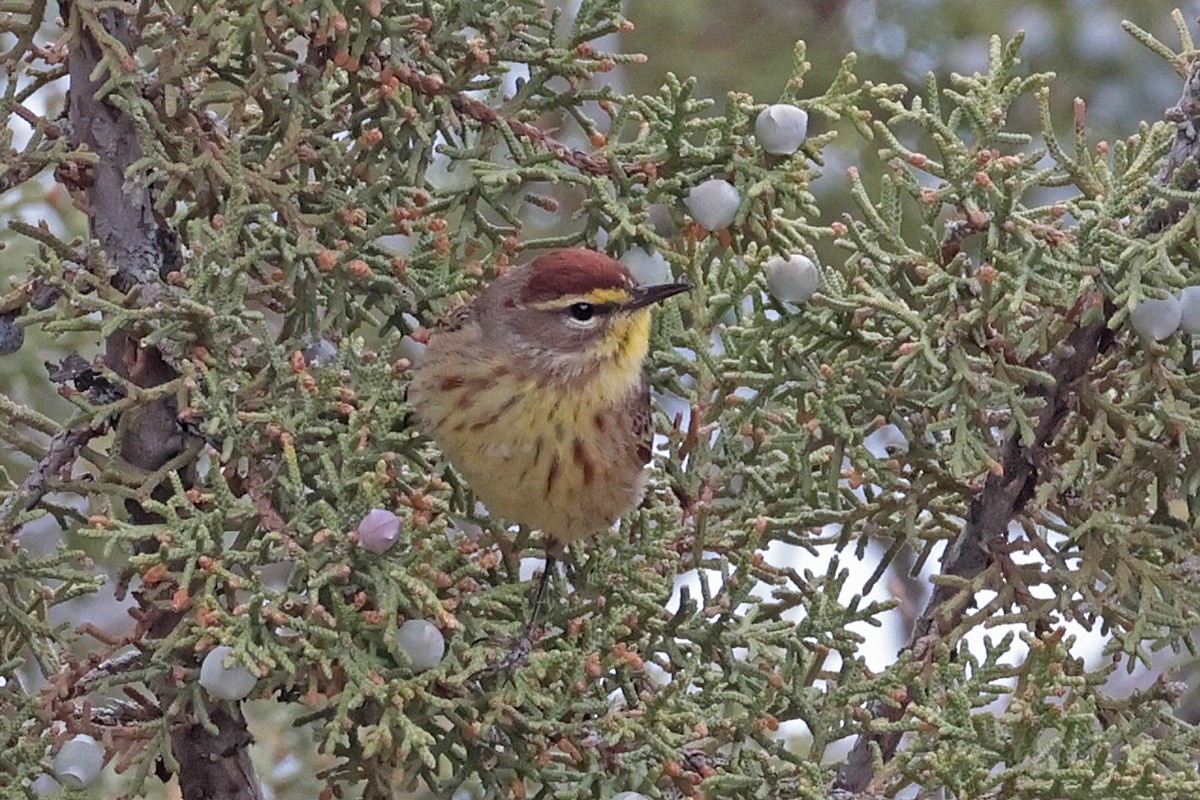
(572, 312)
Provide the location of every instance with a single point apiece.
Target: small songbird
(535, 393)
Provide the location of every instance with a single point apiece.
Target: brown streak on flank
(498, 413)
(584, 462)
(573, 272)
(599, 422)
(477, 385)
(552, 475)
(499, 371)
(451, 382)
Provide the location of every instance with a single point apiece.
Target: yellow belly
(561, 460)
(550, 470)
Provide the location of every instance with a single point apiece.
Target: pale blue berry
(379, 530)
(225, 683)
(422, 642)
(648, 268)
(713, 203)
(78, 762)
(793, 279)
(1156, 319)
(1189, 307)
(781, 129)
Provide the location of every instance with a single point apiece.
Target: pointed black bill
(649, 295)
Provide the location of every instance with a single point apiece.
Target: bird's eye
(582, 311)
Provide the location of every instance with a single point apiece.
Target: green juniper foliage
(326, 180)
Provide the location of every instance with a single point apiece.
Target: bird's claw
(507, 664)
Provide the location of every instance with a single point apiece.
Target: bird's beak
(649, 295)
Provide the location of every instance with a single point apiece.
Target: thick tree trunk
(137, 245)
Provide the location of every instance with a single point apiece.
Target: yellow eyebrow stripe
(597, 297)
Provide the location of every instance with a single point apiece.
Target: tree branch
(1004, 495)
(587, 163)
(60, 454)
(214, 761)
(1002, 499)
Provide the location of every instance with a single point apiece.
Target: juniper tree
(993, 392)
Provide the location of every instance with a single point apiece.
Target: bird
(535, 393)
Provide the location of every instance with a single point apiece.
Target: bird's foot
(518, 653)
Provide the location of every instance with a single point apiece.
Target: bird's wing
(457, 317)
